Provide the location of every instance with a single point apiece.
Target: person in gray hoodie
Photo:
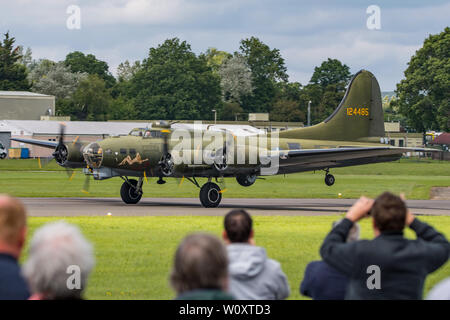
(252, 275)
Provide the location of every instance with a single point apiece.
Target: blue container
(24, 153)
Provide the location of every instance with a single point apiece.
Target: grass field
(134, 254)
(412, 177)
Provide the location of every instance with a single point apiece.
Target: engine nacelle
(69, 155)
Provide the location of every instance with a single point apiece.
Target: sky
(305, 32)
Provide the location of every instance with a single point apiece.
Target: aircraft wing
(316, 159)
(36, 142)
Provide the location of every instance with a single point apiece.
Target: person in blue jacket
(323, 282)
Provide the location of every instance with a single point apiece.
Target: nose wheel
(210, 195)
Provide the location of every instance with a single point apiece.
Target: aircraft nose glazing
(93, 155)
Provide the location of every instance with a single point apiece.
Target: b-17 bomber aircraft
(352, 135)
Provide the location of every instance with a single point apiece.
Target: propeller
(60, 154)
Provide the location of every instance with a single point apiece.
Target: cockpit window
(152, 134)
(137, 132)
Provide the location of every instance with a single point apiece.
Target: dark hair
(200, 263)
(389, 212)
(238, 225)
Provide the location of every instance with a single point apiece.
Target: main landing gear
(329, 178)
(131, 190)
(210, 193)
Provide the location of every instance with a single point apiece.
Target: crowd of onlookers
(390, 266)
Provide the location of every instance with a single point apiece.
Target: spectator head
(200, 263)
(12, 225)
(238, 226)
(59, 263)
(354, 232)
(388, 213)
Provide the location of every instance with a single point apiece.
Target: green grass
(414, 178)
(134, 254)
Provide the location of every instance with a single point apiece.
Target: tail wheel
(130, 194)
(210, 195)
(329, 179)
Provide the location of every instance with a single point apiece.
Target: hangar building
(23, 105)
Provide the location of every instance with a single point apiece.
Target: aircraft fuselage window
(133, 151)
(294, 146)
(123, 151)
(156, 134)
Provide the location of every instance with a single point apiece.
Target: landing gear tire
(129, 194)
(210, 195)
(329, 179)
(246, 180)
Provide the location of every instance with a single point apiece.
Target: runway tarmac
(42, 207)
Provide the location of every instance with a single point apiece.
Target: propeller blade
(70, 173)
(222, 184)
(86, 184)
(44, 161)
(181, 181)
(62, 129)
(165, 133)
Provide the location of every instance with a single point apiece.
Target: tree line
(174, 83)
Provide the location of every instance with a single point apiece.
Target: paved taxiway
(191, 206)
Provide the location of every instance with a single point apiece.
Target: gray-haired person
(59, 262)
(323, 282)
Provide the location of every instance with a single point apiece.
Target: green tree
(91, 101)
(215, 58)
(289, 91)
(122, 109)
(424, 94)
(326, 88)
(13, 74)
(287, 110)
(230, 111)
(55, 79)
(79, 62)
(126, 70)
(26, 57)
(268, 68)
(175, 84)
(235, 79)
(329, 72)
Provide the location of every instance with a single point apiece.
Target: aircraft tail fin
(358, 116)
